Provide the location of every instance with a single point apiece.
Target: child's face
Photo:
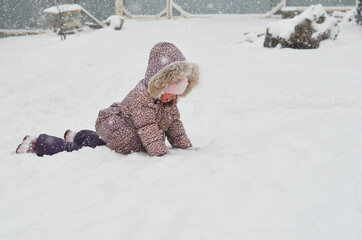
(167, 97)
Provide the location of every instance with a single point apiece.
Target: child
(143, 120)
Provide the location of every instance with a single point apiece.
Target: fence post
(169, 9)
(170, 5)
(282, 4)
(117, 7)
(120, 9)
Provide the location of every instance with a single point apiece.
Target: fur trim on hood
(166, 65)
(171, 74)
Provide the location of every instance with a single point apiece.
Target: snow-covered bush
(115, 21)
(303, 31)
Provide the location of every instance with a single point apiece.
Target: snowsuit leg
(50, 145)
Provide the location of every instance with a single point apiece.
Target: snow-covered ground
(279, 132)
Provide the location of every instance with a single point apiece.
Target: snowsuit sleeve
(176, 133)
(145, 121)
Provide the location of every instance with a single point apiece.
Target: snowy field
(279, 132)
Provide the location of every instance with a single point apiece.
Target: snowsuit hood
(166, 65)
(142, 123)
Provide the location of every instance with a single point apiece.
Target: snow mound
(303, 31)
(279, 132)
(116, 22)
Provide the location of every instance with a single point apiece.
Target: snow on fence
(289, 12)
(167, 11)
(292, 11)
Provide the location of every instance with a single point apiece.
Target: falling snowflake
(49, 140)
(164, 60)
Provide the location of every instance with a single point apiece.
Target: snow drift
(280, 141)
